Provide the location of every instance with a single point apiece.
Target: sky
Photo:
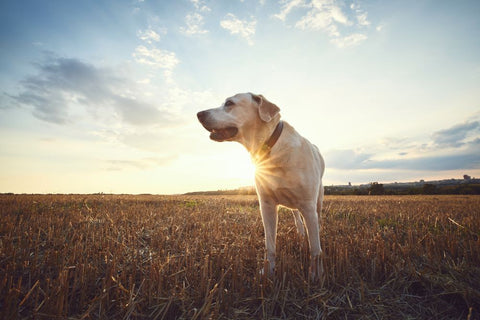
(102, 96)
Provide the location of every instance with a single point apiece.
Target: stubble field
(170, 257)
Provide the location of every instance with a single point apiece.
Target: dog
(289, 169)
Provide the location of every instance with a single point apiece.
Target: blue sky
(102, 96)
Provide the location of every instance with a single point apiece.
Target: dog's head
(240, 118)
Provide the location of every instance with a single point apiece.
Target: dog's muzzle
(216, 133)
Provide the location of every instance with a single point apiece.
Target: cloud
(156, 57)
(194, 23)
(360, 15)
(200, 5)
(353, 160)
(141, 164)
(63, 84)
(139, 112)
(244, 28)
(330, 17)
(173, 135)
(349, 41)
(319, 20)
(148, 36)
(454, 136)
(194, 20)
(287, 7)
(455, 148)
(346, 159)
(362, 19)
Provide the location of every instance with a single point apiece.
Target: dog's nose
(201, 115)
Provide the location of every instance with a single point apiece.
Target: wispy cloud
(323, 16)
(341, 24)
(157, 58)
(454, 148)
(139, 164)
(244, 28)
(347, 159)
(200, 5)
(149, 35)
(154, 57)
(116, 108)
(62, 84)
(354, 160)
(455, 136)
(349, 41)
(287, 7)
(362, 19)
(380, 27)
(166, 137)
(361, 15)
(195, 20)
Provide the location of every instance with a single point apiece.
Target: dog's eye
(229, 103)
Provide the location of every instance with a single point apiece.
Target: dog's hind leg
(321, 193)
(310, 216)
(319, 214)
(299, 223)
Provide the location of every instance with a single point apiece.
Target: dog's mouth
(223, 133)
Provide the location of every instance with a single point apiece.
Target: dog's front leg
(311, 221)
(269, 217)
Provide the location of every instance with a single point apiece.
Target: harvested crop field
(198, 257)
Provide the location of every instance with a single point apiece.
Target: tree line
(376, 188)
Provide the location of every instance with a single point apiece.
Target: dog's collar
(268, 145)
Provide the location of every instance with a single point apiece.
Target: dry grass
(159, 257)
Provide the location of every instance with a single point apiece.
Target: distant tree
(376, 189)
(466, 177)
(429, 188)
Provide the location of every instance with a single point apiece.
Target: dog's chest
(282, 186)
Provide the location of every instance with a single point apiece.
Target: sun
(240, 169)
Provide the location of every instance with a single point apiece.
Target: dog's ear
(266, 109)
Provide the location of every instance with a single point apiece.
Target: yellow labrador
(289, 169)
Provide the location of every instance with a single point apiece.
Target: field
(198, 257)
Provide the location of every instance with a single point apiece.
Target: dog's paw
(267, 270)
(316, 270)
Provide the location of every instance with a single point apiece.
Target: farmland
(198, 257)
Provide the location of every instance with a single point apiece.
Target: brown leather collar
(268, 145)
